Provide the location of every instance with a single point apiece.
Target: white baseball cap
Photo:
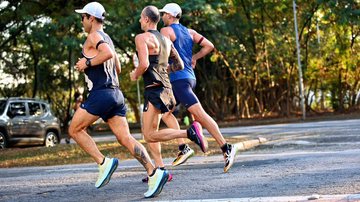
(94, 8)
(172, 8)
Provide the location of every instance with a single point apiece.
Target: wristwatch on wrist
(88, 63)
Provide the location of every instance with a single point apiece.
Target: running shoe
(183, 156)
(170, 177)
(105, 171)
(229, 156)
(146, 179)
(156, 183)
(196, 135)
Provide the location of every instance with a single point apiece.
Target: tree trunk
(35, 66)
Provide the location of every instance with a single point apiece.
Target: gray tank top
(157, 73)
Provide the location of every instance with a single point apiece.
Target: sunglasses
(83, 16)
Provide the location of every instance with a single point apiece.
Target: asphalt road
(300, 161)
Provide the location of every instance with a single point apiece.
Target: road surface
(319, 160)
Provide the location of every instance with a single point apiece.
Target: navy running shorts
(162, 98)
(183, 91)
(105, 103)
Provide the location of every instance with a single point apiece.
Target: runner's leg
(80, 121)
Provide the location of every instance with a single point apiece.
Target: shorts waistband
(110, 86)
(106, 87)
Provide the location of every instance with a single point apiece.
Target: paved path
(301, 161)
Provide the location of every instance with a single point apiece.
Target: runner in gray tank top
(153, 52)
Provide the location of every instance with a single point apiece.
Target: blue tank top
(103, 75)
(184, 45)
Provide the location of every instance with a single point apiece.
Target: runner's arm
(104, 52)
(177, 63)
(143, 55)
(117, 64)
(206, 45)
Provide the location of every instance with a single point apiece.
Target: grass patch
(72, 154)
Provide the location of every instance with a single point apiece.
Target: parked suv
(27, 121)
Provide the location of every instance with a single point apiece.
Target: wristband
(202, 38)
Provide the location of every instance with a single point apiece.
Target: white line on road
(315, 198)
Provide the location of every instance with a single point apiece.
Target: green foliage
(252, 72)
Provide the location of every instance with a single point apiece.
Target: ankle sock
(182, 147)
(225, 147)
(152, 174)
(188, 133)
(102, 161)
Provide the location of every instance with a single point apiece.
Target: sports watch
(88, 63)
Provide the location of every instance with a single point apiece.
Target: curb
(249, 144)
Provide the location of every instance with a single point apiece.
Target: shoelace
(184, 151)
(227, 155)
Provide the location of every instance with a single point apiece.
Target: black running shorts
(162, 98)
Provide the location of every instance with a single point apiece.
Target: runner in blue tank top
(183, 82)
(101, 66)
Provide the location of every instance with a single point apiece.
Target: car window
(17, 109)
(45, 109)
(35, 109)
(2, 106)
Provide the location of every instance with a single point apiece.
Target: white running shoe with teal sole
(156, 183)
(105, 171)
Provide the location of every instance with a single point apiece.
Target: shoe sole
(177, 164)
(226, 169)
(108, 177)
(199, 134)
(160, 187)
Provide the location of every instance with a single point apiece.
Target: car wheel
(3, 141)
(51, 139)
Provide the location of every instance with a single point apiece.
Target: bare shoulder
(93, 38)
(192, 32)
(166, 29)
(140, 37)
(167, 32)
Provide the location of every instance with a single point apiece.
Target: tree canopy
(252, 72)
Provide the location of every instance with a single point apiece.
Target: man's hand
(193, 62)
(133, 75)
(80, 65)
